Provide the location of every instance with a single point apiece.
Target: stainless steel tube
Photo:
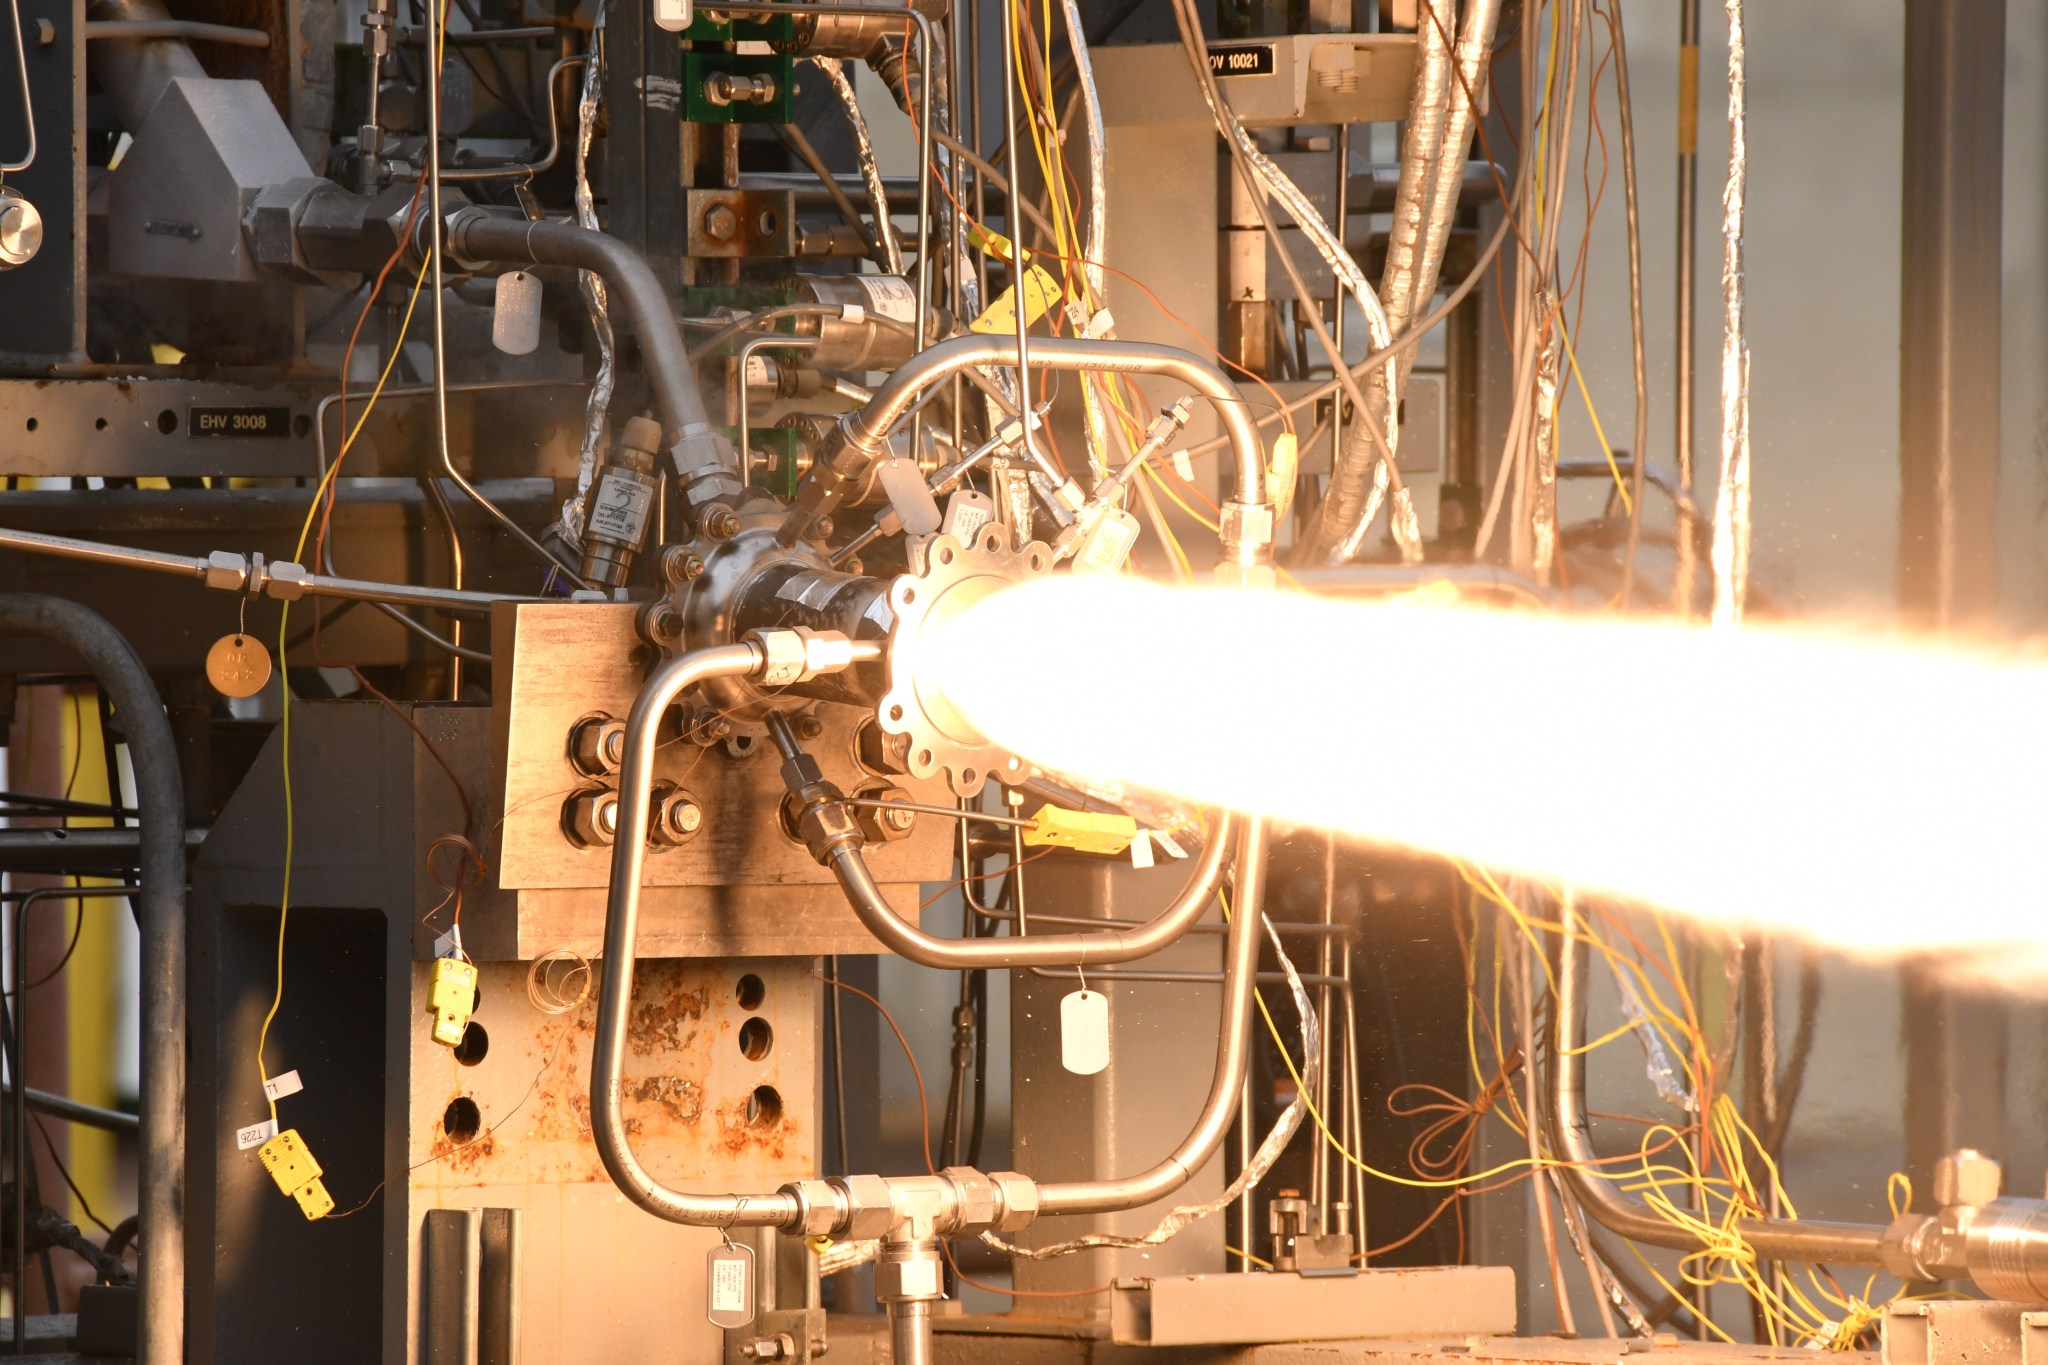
(136, 73)
(870, 425)
(622, 922)
(514, 241)
(160, 915)
(1774, 1239)
(910, 1333)
(1233, 1052)
(271, 585)
(906, 940)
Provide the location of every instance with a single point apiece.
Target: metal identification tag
(729, 1271)
(1084, 1032)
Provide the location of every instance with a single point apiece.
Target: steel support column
(1949, 310)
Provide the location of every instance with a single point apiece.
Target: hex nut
(884, 826)
(977, 1203)
(225, 571)
(870, 1212)
(1019, 1196)
(1966, 1178)
(820, 1201)
(677, 818)
(591, 818)
(720, 223)
(784, 659)
(597, 745)
(880, 752)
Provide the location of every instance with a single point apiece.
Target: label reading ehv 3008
(238, 421)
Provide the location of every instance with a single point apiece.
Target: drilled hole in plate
(167, 421)
(32, 424)
(946, 556)
(1037, 561)
(967, 777)
(909, 596)
(99, 424)
(757, 1039)
(764, 1106)
(895, 713)
(475, 1044)
(924, 758)
(750, 992)
(462, 1120)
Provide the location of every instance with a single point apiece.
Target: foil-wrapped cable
(592, 286)
(1542, 484)
(1731, 508)
(1357, 484)
(1268, 1152)
(870, 169)
(1407, 532)
(1095, 242)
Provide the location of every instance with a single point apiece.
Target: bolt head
(809, 726)
(21, 230)
(720, 223)
(591, 819)
(687, 816)
(722, 523)
(681, 565)
(1967, 1178)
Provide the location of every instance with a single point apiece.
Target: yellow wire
(284, 900)
(1613, 466)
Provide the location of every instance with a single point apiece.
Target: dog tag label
(729, 1271)
(1084, 1032)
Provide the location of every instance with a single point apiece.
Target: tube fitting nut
(1018, 1195)
(870, 1212)
(820, 1207)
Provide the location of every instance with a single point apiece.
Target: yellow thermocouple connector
(452, 998)
(296, 1173)
(1084, 831)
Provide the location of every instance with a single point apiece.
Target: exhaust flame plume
(1873, 794)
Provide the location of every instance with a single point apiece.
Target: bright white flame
(1877, 795)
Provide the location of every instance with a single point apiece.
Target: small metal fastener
(721, 523)
(21, 229)
(597, 745)
(720, 223)
(809, 726)
(680, 564)
(677, 818)
(591, 819)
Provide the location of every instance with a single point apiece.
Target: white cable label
(256, 1134)
(891, 296)
(619, 510)
(1167, 842)
(1141, 850)
(277, 1087)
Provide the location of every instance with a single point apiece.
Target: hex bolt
(597, 745)
(591, 819)
(900, 820)
(820, 529)
(720, 223)
(721, 523)
(677, 818)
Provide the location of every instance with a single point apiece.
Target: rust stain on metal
(662, 1019)
(680, 1097)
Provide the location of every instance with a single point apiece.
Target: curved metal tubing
(160, 916)
(622, 922)
(1233, 1053)
(906, 940)
(934, 363)
(1774, 1239)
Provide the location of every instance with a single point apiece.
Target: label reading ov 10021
(1252, 59)
(238, 421)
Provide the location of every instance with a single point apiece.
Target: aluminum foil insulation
(1542, 483)
(1731, 508)
(1440, 127)
(870, 170)
(1277, 1138)
(1095, 240)
(1407, 531)
(594, 299)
